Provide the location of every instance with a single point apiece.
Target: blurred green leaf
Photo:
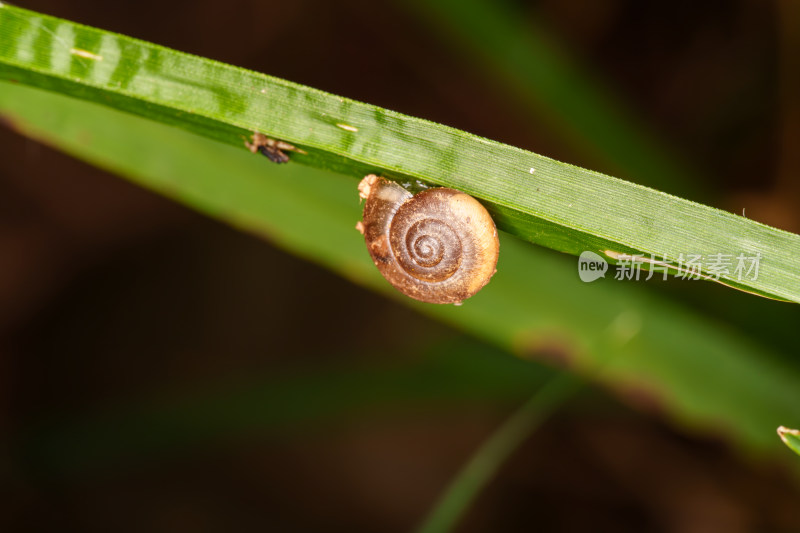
(791, 438)
(661, 354)
(449, 374)
(517, 49)
(536, 198)
(487, 460)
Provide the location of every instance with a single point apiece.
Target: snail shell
(438, 246)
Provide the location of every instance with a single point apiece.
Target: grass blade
(791, 438)
(533, 197)
(483, 466)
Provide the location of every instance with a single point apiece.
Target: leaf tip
(784, 432)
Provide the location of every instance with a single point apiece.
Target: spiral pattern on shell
(428, 249)
(439, 246)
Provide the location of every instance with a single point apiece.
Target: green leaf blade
(791, 438)
(705, 375)
(543, 201)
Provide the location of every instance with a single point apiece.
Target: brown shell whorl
(439, 246)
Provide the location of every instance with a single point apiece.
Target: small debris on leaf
(271, 148)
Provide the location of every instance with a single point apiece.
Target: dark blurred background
(116, 303)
